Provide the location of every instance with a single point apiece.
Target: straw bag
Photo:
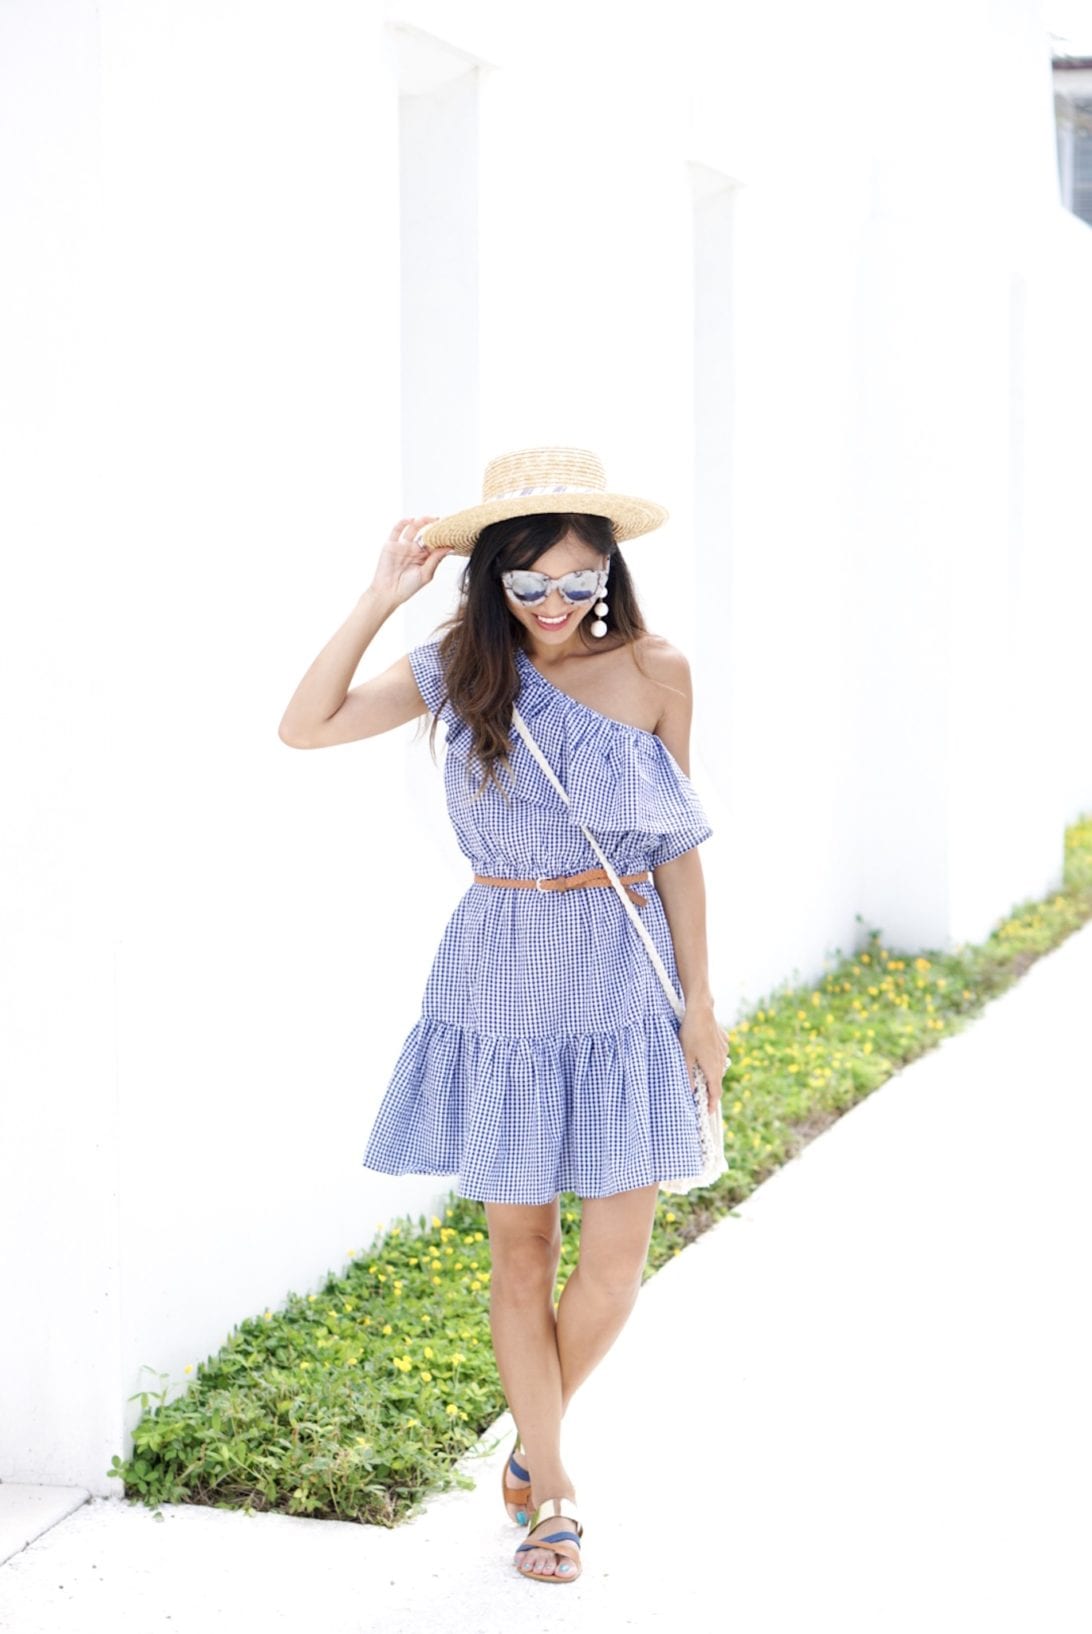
(710, 1124)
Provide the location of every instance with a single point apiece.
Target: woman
(546, 1057)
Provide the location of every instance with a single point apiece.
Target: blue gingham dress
(546, 1055)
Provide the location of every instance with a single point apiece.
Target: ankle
(552, 1483)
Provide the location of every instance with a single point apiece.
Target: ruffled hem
(518, 1120)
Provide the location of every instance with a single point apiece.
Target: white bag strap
(669, 989)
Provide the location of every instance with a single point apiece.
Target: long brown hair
(477, 648)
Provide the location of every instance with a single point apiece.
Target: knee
(526, 1265)
(617, 1277)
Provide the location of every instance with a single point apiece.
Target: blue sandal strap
(554, 1537)
(517, 1471)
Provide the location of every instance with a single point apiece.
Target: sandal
(566, 1543)
(516, 1497)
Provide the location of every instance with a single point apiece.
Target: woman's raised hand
(404, 566)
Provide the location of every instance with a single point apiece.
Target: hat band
(547, 488)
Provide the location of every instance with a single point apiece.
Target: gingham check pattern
(546, 1055)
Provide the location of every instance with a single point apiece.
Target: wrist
(379, 600)
(698, 997)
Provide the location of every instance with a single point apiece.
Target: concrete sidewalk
(860, 1405)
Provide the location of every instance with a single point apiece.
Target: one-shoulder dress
(546, 1056)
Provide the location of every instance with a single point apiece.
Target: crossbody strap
(668, 986)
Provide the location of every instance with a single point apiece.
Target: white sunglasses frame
(602, 573)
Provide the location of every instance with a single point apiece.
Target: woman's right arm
(322, 710)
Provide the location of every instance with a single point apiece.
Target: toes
(537, 1560)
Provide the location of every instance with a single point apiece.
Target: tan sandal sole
(519, 1497)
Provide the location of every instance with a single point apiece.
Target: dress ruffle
(620, 779)
(521, 1119)
(623, 783)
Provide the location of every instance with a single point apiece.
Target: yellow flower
(451, 1410)
(387, 1328)
(188, 1368)
(436, 1220)
(669, 1217)
(426, 1375)
(428, 1352)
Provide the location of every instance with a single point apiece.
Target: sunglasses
(529, 588)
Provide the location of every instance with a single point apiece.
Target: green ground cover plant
(356, 1402)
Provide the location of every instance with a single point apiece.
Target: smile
(551, 623)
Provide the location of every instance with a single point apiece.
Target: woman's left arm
(680, 885)
(681, 888)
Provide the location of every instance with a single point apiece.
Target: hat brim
(460, 530)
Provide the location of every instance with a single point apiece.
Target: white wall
(219, 310)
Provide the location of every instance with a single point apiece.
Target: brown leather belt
(568, 882)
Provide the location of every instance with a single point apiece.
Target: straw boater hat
(532, 480)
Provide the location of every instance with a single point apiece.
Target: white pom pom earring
(601, 608)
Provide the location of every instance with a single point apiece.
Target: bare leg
(602, 1289)
(541, 1360)
(525, 1247)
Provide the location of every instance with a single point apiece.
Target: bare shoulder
(668, 668)
(663, 661)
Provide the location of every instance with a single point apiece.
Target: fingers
(420, 524)
(428, 569)
(407, 528)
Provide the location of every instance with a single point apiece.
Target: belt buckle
(538, 882)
